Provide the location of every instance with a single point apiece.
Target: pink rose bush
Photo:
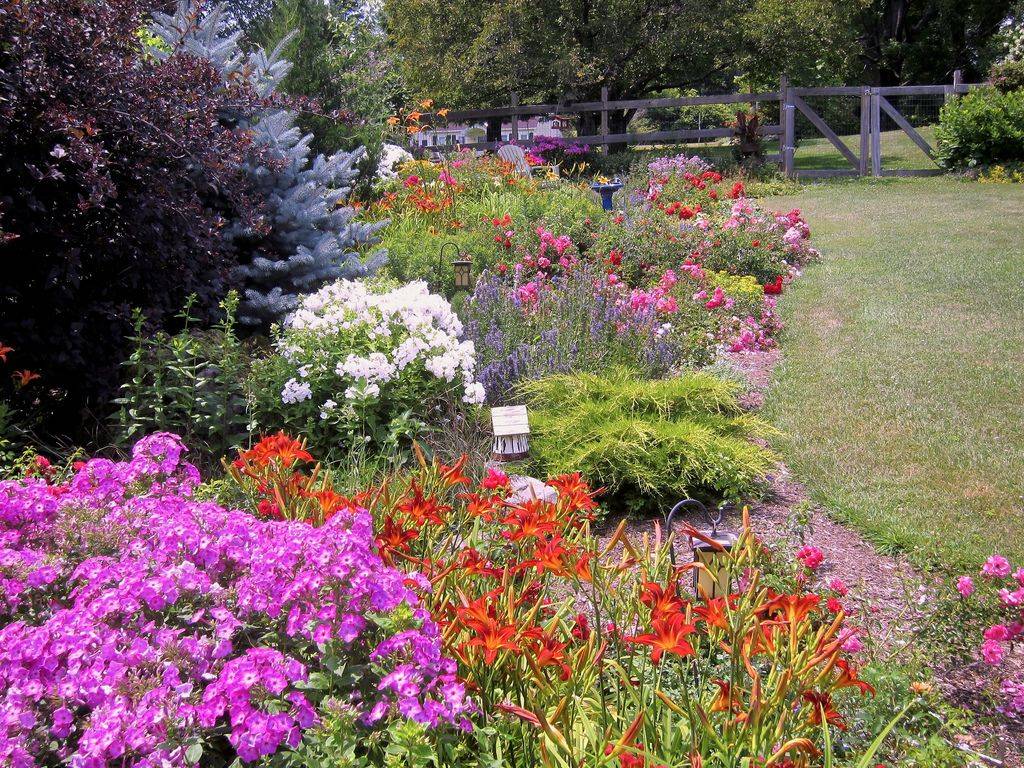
(998, 592)
(141, 623)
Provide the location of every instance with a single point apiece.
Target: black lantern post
(714, 577)
(463, 269)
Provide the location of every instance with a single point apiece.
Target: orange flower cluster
(268, 472)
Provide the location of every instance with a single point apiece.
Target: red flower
(422, 509)
(668, 636)
(25, 377)
(394, 537)
(581, 628)
(549, 556)
(550, 652)
(792, 608)
(278, 448)
(713, 613)
(472, 562)
(534, 518)
(495, 479)
(453, 475)
(737, 191)
(4, 351)
(662, 601)
(493, 638)
(821, 709)
(269, 510)
(848, 678)
(774, 289)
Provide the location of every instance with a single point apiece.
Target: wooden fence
(862, 161)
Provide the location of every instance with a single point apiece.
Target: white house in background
(462, 133)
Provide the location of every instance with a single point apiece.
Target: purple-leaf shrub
(140, 620)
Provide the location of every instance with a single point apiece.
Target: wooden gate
(865, 157)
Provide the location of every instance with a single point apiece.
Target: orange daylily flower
(453, 475)
(423, 509)
(394, 120)
(281, 448)
(663, 601)
(792, 608)
(548, 556)
(427, 103)
(848, 678)
(479, 610)
(328, 501)
(668, 637)
(493, 638)
(582, 567)
(413, 116)
(443, 112)
(4, 351)
(25, 377)
(472, 562)
(822, 709)
(549, 651)
(533, 518)
(481, 506)
(725, 701)
(713, 613)
(394, 537)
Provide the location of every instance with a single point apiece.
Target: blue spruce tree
(308, 235)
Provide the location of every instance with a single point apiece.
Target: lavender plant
(580, 320)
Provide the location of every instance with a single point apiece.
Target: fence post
(604, 116)
(788, 118)
(876, 133)
(514, 132)
(865, 129)
(958, 80)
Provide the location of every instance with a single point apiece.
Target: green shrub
(1008, 76)
(191, 383)
(986, 126)
(648, 443)
(745, 291)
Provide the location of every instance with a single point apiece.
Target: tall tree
(924, 42)
(339, 58)
(116, 179)
(307, 236)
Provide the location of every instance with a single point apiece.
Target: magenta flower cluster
(140, 621)
(1002, 588)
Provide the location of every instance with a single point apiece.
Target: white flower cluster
(412, 323)
(391, 156)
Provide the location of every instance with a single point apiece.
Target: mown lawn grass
(898, 151)
(901, 390)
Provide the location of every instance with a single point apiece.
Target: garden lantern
(463, 269)
(714, 579)
(511, 426)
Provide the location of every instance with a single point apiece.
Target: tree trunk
(618, 122)
(494, 129)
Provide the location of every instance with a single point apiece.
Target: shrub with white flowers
(391, 156)
(364, 362)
